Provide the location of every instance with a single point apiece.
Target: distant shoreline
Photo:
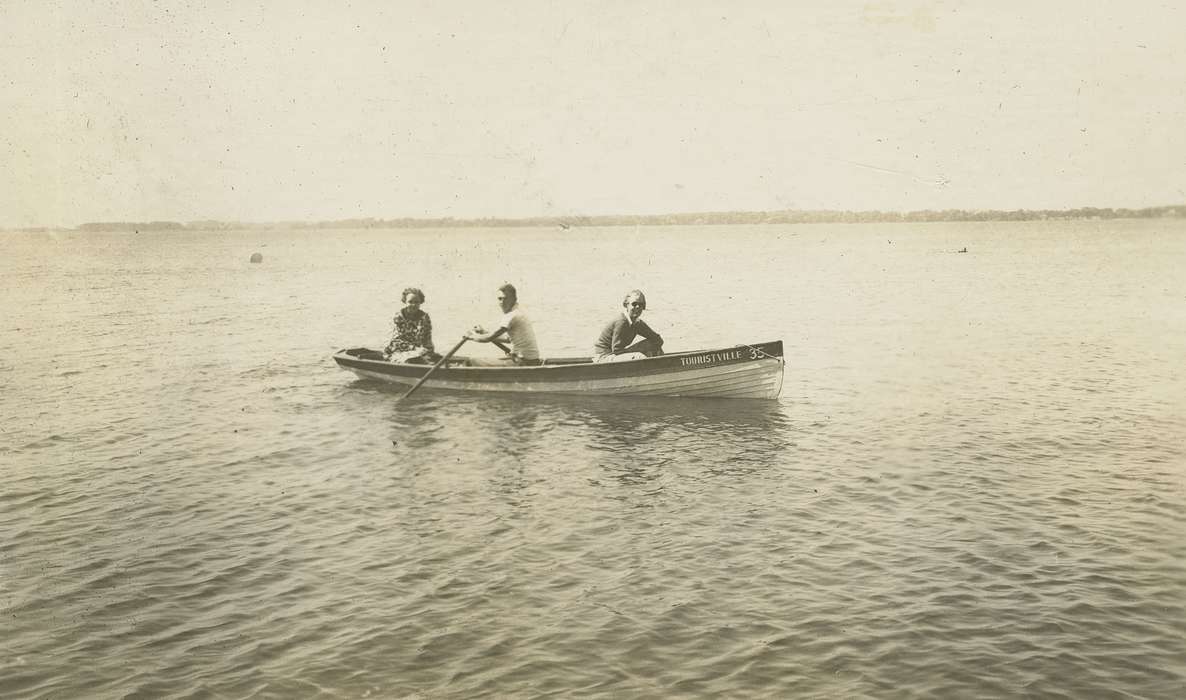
(689, 219)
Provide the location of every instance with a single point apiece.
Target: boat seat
(365, 354)
(469, 362)
(461, 361)
(566, 360)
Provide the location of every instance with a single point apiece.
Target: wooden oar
(432, 369)
(501, 346)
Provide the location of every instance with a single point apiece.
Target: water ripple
(199, 503)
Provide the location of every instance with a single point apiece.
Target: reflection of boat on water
(741, 372)
(686, 424)
(634, 438)
(644, 439)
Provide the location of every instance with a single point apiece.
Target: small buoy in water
(257, 257)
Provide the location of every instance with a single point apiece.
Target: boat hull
(744, 371)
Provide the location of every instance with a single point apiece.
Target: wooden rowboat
(739, 372)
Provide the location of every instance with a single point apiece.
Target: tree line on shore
(703, 218)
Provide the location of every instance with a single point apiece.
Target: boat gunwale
(647, 366)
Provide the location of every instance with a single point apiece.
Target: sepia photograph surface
(592, 349)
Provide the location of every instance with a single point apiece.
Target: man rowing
(513, 326)
(614, 343)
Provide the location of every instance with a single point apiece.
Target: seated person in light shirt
(614, 343)
(514, 326)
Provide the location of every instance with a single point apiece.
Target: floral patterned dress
(412, 336)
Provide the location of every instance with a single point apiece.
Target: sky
(286, 111)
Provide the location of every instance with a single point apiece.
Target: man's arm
(647, 332)
(618, 341)
(478, 335)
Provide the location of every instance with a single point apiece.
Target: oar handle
(432, 369)
(501, 346)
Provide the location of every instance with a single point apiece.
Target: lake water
(973, 484)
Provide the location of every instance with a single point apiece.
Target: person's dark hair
(403, 298)
(509, 290)
(635, 293)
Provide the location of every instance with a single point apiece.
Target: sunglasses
(637, 305)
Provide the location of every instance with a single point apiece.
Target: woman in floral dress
(411, 340)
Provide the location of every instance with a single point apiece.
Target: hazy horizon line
(741, 217)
